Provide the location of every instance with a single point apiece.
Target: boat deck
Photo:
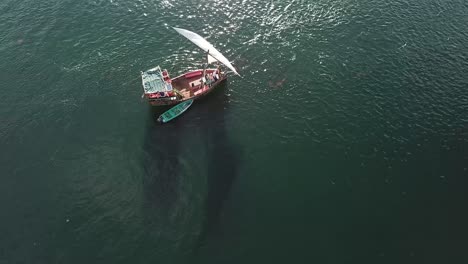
(186, 86)
(189, 85)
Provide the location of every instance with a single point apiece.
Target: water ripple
(375, 81)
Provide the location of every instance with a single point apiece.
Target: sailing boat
(160, 89)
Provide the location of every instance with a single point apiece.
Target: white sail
(206, 46)
(210, 59)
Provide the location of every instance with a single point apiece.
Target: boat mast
(207, 61)
(205, 65)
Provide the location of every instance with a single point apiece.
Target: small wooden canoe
(175, 111)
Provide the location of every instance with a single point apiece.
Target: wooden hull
(188, 86)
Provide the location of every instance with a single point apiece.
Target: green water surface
(344, 141)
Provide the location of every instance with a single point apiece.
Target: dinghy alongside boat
(175, 111)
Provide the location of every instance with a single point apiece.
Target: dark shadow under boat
(163, 146)
(160, 160)
(223, 162)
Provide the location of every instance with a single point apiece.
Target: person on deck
(215, 74)
(203, 82)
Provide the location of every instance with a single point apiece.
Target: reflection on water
(224, 157)
(187, 159)
(160, 162)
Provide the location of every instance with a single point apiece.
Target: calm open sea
(345, 140)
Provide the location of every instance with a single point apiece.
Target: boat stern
(157, 87)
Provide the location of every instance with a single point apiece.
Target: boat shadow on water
(160, 161)
(163, 148)
(223, 164)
